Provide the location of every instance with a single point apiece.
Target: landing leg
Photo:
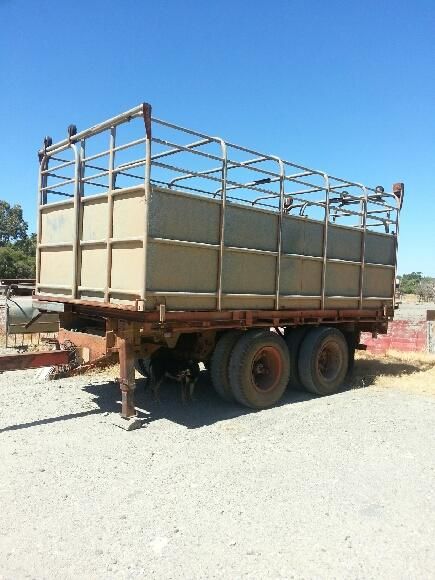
(127, 383)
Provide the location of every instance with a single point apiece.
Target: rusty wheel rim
(329, 361)
(266, 369)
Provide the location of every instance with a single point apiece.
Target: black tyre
(294, 339)
(219, 364)
(259, 369)
(323, 360)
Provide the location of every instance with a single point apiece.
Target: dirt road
(337, 487)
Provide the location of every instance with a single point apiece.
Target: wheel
(259, 369)
(219, 364)
(323, 360)
(294, 340)
(142, 365)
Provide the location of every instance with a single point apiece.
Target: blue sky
(343, 86)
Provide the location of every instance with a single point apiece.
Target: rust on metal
(146, 112)
(129, 313)
(95, 347)
(33, 360)
(126, 380)
(399, 192)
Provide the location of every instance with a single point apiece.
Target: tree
(426, 290)
(410, 282)
(16, 264)
(17, 249)
(12, 225)
(27, 245)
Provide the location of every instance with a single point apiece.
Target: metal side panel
(119, 249)
(344, 243)
(300, 277)
(176, 268)
(296, 302)
(56, 270)
(127, 268)
(56, 261)
(57, 223)
(302, 236)
(248, 302)
(342, 279)
(93, 268)
(94, 219)
(380, 248)
(248, 273)
(246, 227)
(177, 216)
(128, 214)
(341, 303)
(378, 282)
(93, 255)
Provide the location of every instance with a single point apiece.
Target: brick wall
(402, 335)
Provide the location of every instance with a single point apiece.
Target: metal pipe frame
(146, 112)
(280, 226)
(372, 203)
(109, 236)
(222, 224)
(325, 243)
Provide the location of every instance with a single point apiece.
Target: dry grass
(399, 370)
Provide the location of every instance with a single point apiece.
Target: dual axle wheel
(255, 367)
(250, 367)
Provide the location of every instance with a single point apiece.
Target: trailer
(170, 247)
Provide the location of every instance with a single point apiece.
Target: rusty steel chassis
(133, 334)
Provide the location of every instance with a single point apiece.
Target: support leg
(127, 381)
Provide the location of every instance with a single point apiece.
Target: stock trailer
(168, 247)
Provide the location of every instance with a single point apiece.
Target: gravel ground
(336, 487)
(413, 311)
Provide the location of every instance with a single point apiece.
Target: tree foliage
(17, 248)
(15, 263)
(27, 245)
(12, 224)
(409, 282)
(426, 290)
(416, 283)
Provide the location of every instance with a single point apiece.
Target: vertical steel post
(364, 204)
(397, 188)
(222, 222)
(146, 112)
(42, 182)
(76, 229)
(82, 155)
(325, 242)
(109, 231)
(280, 226)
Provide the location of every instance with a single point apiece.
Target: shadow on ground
(207, 408)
